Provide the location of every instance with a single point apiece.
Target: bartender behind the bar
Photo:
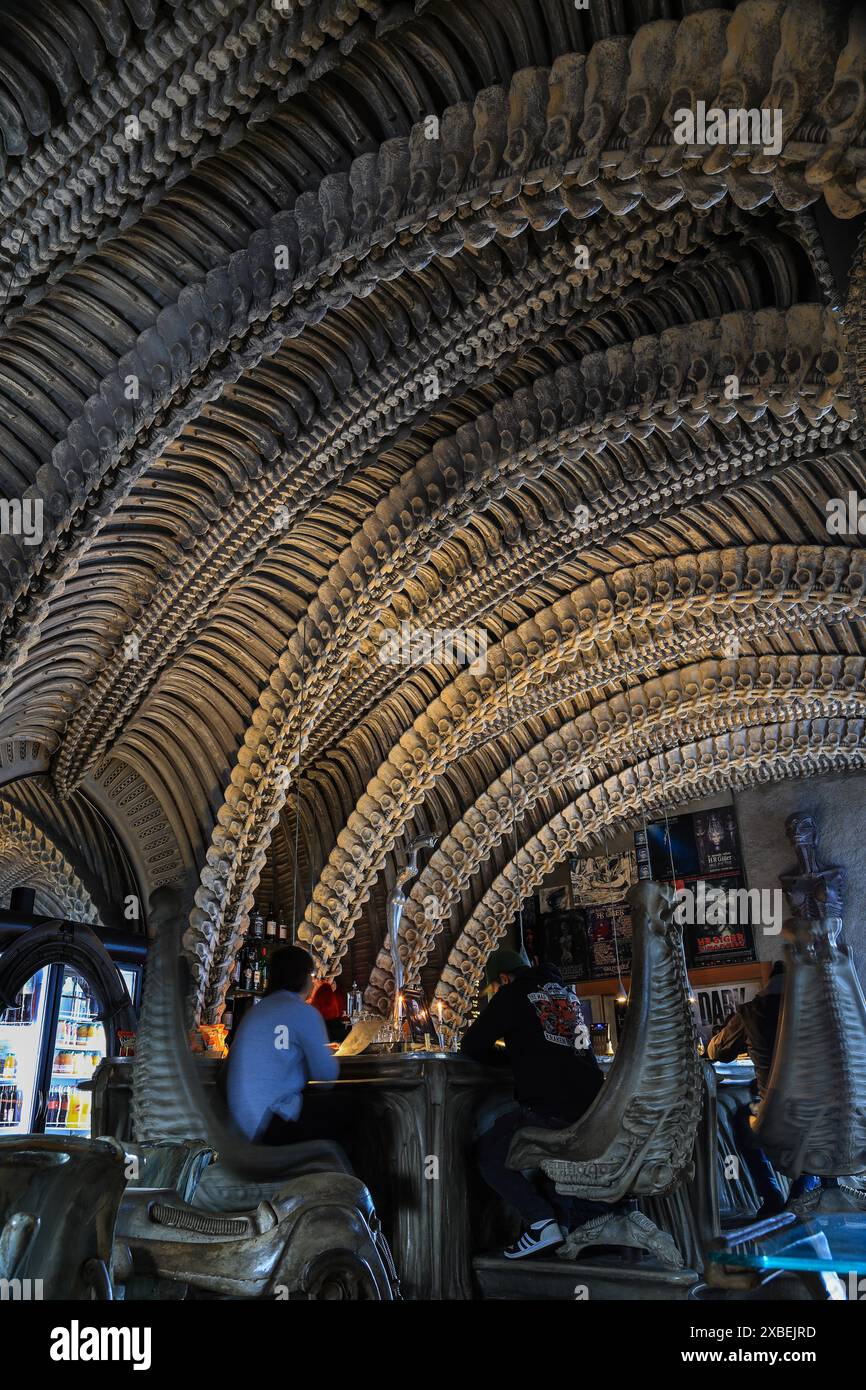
(555, 1081)
(280, 1045)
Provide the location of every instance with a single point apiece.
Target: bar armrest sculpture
(813, 1116)
(637, 1138)
(168, 1163)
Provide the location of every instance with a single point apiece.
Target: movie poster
(716, 841)
(562, 942)
(668, 850)
(700, 852)
(722, 931)
(608, 933)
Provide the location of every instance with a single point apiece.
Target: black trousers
(328, 1116)
(535, 1198)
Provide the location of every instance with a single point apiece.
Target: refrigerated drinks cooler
(49, 1043)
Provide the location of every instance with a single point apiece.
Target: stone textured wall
(839, 804)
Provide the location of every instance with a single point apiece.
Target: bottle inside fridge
(21, 1039)
(79, 1046)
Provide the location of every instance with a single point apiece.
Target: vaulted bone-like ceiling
(333, 316)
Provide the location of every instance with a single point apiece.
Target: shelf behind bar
(700, 978)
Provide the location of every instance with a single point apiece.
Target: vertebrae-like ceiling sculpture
(325, 318)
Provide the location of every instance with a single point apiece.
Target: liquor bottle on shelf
(11, 1100)
(66, 997)
(257, 973)
(282, 928)
(258, 925)
(247, 974)
(236, 973)
(264, 972)
(271, 925)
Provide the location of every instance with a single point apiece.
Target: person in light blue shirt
(280, 1045)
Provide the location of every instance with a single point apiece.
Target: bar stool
(638, 1137)
(59, 1198)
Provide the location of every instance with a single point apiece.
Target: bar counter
(413, 1148)
(420, 1113)
(415, 1119)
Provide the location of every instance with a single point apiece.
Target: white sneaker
(540, 1236)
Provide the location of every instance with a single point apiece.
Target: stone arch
(400, 536)
(29, 857)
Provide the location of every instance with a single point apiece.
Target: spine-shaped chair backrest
(812, 1118)
(638, 1136)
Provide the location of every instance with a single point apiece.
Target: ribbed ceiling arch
(332, 319)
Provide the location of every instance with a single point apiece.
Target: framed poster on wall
(599, 886)
(602, 878)
(562, 942)
(608, 933)
(699, 852)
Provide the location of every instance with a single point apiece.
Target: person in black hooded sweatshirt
(555, 1081)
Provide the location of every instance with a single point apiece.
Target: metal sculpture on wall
(397, 899)
(813, 1116)
(638, 1136)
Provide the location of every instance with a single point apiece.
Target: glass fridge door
(129, 974)
(22, 1028)
(79, 1046)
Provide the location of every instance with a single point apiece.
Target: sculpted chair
(314, 1237)
(59, 1198)
(813, 1116)
(288, 1222)
(168, 1164)
(638, 1136)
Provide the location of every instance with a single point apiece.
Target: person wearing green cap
(556, 1078)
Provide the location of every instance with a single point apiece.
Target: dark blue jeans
(536, 1199)
(760, 1169)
